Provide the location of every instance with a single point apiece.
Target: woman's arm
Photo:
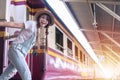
(12, 24)
(9, 37)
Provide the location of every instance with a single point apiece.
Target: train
(64, 58)
(60, 57)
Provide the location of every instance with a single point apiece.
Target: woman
(23, 43)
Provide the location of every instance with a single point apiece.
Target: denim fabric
(16, 55)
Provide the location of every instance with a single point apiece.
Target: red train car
(63, 59)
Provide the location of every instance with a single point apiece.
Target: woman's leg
(18, 60)
(9, 72)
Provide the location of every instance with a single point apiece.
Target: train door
(38, 62)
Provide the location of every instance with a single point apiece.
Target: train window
(69, 48)
(84, 58)
(59, 40)
(81, 56)
(76, 52)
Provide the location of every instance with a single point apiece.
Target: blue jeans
(17, 63)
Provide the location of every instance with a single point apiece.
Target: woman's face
(43, 20)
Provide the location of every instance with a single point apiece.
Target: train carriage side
(65, 58)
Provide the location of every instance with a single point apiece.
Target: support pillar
(2, 32)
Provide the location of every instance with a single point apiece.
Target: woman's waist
(19, 46)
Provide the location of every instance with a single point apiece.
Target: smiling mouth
(43, 23)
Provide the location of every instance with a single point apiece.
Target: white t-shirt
(30, 28)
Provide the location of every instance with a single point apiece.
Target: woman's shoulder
(30, 25)
(31, 21)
